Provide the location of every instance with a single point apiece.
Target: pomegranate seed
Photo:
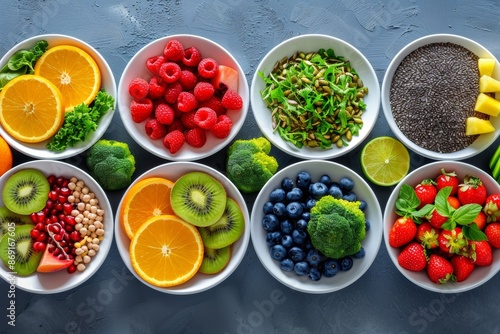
(51, 179)
(67, 208)
(49, 204)
(54, 219)
(58, 206)
(69, 228)
(57, 237)
(64, 191)
(42, 237)
(51, 248)
(53, 195)
(57, 251)
(70, 220)
(33, 218)
(60, 181)
(71, 269)
(39, 246)
(35, 233)
(40, 226)
(75, 236)
(66, 250)
(62, 199)
(54, 228)
(39, 217)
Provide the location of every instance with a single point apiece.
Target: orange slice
(166, 251)
(6, 159)
(73, 71)
(31, 108)
(145, 199)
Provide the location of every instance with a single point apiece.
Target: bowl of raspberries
(442, 227)
(183, 97)
(316, 226)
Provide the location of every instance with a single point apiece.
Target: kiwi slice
(214, 260)
(26, 191)
(227, 229)
(16, 251)
(8, 217)
(198, 198)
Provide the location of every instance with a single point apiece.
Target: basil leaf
(465, 214)
(442, 206)
(472, 232)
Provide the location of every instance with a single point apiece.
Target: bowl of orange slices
(57, 96)
(182, 228)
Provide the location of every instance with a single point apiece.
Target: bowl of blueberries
(293, 233)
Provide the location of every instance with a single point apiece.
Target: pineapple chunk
(488, 84)
(487, 105)
(477, 126)
(485, 66)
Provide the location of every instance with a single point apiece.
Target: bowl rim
(187, 153)
(311, 153)
(465, 153)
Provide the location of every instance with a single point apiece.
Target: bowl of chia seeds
(430, 89)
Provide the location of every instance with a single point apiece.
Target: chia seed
(432, 93)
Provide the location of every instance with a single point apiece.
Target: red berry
(173, 141)
(426, 192)
(472, 191)
(154, 129)
(232, 100)
(153, 64)
(427, 235)
(402, 232)
(188, 80)
(462, 267)
(436, 219)
(164, 113)
(186, 102)
(452, 241)
(492, 232)
(214, 103)
(141, 110)
(205, 118)
(138, 88)
(203, 91)
(35, 233)
(413, 257)
(223, 127)
(492, 208)
(192, 56)
(172, 92)
(175, 125)
(447, 179)
(208, 67)
(187, 119)
(439, 269)
(170, 72)
(482, 253)
(196, 137)
(39, 246)
(174, 50)
(156, 88)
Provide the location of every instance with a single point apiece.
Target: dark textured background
(382, 301)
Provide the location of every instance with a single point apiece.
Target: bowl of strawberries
(183, 97)
(442, 226)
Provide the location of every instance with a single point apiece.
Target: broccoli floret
(111, 163)
(337, 227)
(249, 165)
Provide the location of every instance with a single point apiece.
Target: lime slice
(385, 161)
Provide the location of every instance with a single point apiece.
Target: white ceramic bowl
(38, 150)
(371, 243)
(479, 144)
(48, 283)
(136, 68)
(312, 43)
(480, 275)
(200, 282)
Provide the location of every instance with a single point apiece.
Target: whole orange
(5, 156)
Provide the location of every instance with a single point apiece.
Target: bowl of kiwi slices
(182, 228)
(55, 225)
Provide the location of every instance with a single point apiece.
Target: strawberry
(452, 241)
(472, 191)
(492, 208)
(462, 267)
(439, 269)
(480, 220)
(436, 219)
(402, 232)
(482, 254)
(454, 202)
(426, 192)
(492, 232)
(447, 179)
(427, 235)
(413, 257)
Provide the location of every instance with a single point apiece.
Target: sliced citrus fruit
(385, 161)
(6, 159)
(147, 198)
(31, 108)
(166, 251)
(73, 71)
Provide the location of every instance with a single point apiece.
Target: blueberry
(286, 241)
(296, 254)
(367, 225)
(287, 265)
(361, 253)
(273, 238)
(287, 184)
(294, 210)
(325, 179)
(286, 226)
(268, 207)
(301, 268)
(294, 195)
(335, 191)
(301, 225)
(346, 263)
(307, 244)
(314, 274)
(310, 203)
(279, 209)
(313, 257)
(270, 222)
(346, 184)
(318, 190)
(278, 252)
(350, 196)
(362, 205)
(306, 216)
(277, 195)
(330, 267)
(299, 236)
(303, 180)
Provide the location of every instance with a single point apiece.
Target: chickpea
(80, 267)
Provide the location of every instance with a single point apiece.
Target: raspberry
(170, 72)
(175, 125)
(174, 50)
(196, 137)
(222, 128)
(156, 88)
(192, 57)
(203, 91)
(154, 129)
(187, 119)
(205, 118)
(173, 141)
(164, 113)
(188, 79)
(153, 64)
(141, 110)
(232, 100)
(138, 88)
(186, 102)
(208, 67)
(172, 92)
(214, 103)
